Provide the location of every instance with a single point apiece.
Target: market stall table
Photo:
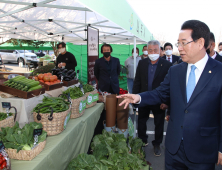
(62, 148)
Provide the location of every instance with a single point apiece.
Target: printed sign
(6, 105)
(130, 127)
(37, 132)
(92, 98)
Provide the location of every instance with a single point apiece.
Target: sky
(163, 18)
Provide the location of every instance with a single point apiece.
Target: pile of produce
(22, 83)
(3, 162)
(47, 78)
(21, 139)
(87, 88)
(58, 104)
(111, 151)
(67, 75)
(3, 116)
(73, 93)
(43, 69)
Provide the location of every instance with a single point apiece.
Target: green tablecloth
(62, 148)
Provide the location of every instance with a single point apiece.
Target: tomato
(41, 81)
(49, 74)
(46, 78)
(36, 78)
(40, 76)
(3, 165)
(1, 161)
(48, 83)
(58, 81)
(55, 77)
(52, 79)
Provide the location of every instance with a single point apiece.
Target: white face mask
(136, 54)
(169, 52)
(145, 52)
(153, 57)
(62, 50)
(220, 53)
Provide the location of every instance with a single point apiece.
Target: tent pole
(134, 54)
(85, 22)
(81, 62)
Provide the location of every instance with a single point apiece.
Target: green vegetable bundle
(58, 104)
(87, 88)
(43, 69)
(3, 116)
(22, 83)
(111, 152)
(74, 93)
(21, 139)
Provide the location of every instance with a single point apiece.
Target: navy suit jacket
(175, 59)
(218, 57)
(105, 79)
(199, 121)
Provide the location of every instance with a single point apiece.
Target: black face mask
(208, 51)
(106, 54)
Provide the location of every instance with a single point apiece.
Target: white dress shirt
(198, 71)
(214, 56)
(200, 67)
(171, 58)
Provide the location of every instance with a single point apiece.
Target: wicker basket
(24, 154)
(93, 103)
(8, 122)
(52, 123)
(75, 107)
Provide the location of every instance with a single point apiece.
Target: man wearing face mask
(210, 51)
(65, 59)
(168, 48)
(129, 64)
(149, 74)
(220, 48)
(107, 71)
(145, 52)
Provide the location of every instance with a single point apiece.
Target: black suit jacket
(218, 57)
(175, 59)
(105, 78)
(141, 80)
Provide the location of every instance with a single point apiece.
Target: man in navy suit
(168, 48)
(107, 71)
(210, 51)
(194, 90)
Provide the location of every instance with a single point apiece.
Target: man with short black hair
(210, 51)
(194, 90)
(145, 52)
(168, 48)
(65, 59)
(220, 48)
(107, 71)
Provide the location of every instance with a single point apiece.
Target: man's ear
(201, 43)
(213, 45)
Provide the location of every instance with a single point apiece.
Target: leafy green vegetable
(4, 115)
(21, 139)
(87, 88)
(111, 152)
(74, 92)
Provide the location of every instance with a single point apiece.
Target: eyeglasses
(183, 44)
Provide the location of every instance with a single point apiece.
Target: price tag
(2, 146)
(93, 82)
(37, 132)
(6, 105)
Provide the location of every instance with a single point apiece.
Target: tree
(54, 47)
(161, 38)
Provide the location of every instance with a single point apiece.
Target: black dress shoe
(157, 151)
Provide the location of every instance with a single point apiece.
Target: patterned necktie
(169, 59)
(191, 82)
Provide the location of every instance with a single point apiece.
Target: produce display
(87, 88)
(74, 92)
(21, 139)
(3, 116)
(47, 78)
(111, 151)
(22, 83)
(3, 162)
(57, 103)
(68, 75)
(43, 69)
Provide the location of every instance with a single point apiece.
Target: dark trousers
(159, 117)
(179, 161)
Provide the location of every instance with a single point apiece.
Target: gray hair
(153, 42)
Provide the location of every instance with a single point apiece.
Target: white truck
(16, 56)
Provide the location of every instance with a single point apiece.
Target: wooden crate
(52, 87)
(70, 83)
(22, 94)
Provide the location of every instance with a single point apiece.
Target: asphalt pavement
(157, 162)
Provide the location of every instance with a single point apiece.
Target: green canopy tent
(9, 46)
